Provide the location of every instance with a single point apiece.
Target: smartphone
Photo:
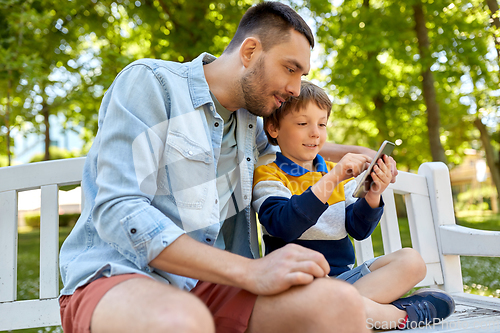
(366, 181)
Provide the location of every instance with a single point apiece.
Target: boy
(302, 199)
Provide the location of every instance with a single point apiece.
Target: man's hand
(286, 267)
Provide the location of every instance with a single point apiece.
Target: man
(167, 187)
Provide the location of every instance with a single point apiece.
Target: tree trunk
(493, 6)
(46, 114)
(490, 156)
(433, 117)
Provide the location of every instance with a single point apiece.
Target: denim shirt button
(245, 197)
(208, 240)
(133, 230)
(216, 201)
(216, 124)
(250, 126)
(190, 153)
(248, 159)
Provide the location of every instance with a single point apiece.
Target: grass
(480, 275)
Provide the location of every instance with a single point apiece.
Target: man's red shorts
(231, 307)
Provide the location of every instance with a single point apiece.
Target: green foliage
(65, 220)
(59, 57)
(475, 199)
(372, 67)
(56, 153)
(32, 220)
(3, 161)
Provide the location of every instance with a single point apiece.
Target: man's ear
(249, 50)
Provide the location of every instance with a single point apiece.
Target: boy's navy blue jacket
(291, 213)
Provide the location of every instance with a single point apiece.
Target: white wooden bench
(430, 214)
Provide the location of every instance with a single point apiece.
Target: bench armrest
(456, 239)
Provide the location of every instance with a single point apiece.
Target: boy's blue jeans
(357, 273)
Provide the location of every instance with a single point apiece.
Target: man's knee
(189, 315)
(144, 305)
(335, 300)
(339, 292)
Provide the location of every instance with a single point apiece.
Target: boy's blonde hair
(309, 93)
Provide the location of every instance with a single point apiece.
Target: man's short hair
(271, 22)
(309, 93)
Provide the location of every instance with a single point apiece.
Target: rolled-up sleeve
(132, 141)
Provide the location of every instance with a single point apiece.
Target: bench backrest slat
(8, 246)
(49, 247)
(389, 226)
(363, 250)
(423, 236)
(32, 176)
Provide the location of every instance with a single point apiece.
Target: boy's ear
(249, 50)
(272, 130)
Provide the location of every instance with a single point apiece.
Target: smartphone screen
(366, 181)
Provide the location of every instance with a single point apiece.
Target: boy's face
(301, 134)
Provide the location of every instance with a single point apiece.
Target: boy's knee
(413, 262)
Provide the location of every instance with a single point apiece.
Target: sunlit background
(424, 75)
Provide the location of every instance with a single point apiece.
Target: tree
(380, 72)
(79, 47)
(17, 60)
(429, 92)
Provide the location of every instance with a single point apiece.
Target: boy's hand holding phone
(382, 177)
(351, 165)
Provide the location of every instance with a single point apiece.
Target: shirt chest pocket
(188, 171)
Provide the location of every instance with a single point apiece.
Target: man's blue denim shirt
(150, 175)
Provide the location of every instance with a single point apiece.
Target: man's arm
(334, 152)
(270, 275)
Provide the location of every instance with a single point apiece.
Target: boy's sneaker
(425, 306)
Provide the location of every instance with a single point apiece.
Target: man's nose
(293, 87)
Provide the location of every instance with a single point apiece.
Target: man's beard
(255, 91)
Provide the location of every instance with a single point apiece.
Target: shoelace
(423, 312)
